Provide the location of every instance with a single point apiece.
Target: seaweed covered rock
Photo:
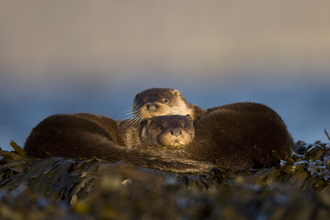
(92, 189)
(20, 203)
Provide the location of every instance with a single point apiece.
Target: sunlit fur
(159, 102)
(167, 132)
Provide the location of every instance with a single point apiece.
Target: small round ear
(137, 95)
(176, 92)
(146, 122)
(189, 118)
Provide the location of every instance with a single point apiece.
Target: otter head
(167, 132)
(160, 101)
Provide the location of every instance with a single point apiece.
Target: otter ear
(137, 95)
(176, 92)
(147, 122)
(189, 118)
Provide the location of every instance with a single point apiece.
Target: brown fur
(166, 133)
(241, 134)
(163, 101)
(237, 135)
(87, 135)
(156, 102)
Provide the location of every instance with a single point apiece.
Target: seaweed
(326, 133)
(65, 188)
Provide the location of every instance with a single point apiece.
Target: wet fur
(241, 134)
(238, 135)
(166, 133)
(85, 135)
(161, 101)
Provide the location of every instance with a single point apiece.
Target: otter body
(85, 135)
(241, 134)
(235, 135)
(80, 133)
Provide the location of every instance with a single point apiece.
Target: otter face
(168, 132)
(159, 101)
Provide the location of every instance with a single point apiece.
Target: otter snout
(152, 107)
(176, 132)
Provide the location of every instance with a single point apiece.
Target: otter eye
(165, 101)
(161, 127)
(184, 126)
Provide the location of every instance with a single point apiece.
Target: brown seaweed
(64, 188)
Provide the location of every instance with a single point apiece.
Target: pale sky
(40, 39)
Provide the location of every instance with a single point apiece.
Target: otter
(243, 135)
(163, 101)
(157, 102)
(166, 133)
(85, 135)
(234, 135)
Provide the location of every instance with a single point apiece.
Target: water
(304, 107)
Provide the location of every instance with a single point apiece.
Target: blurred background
(94, 56)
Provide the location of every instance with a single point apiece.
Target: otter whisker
(124, 112)
(136, 111)
(125, 116)
(132, 122)
(136, 121)
(128, 122)
(136, 114)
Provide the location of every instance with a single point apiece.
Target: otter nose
(176, 132)
(151, 107)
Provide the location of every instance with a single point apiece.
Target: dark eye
(161, 127)
(165, 101)
(184, 126)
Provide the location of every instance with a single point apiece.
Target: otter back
(241, 134)
(70, 135)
